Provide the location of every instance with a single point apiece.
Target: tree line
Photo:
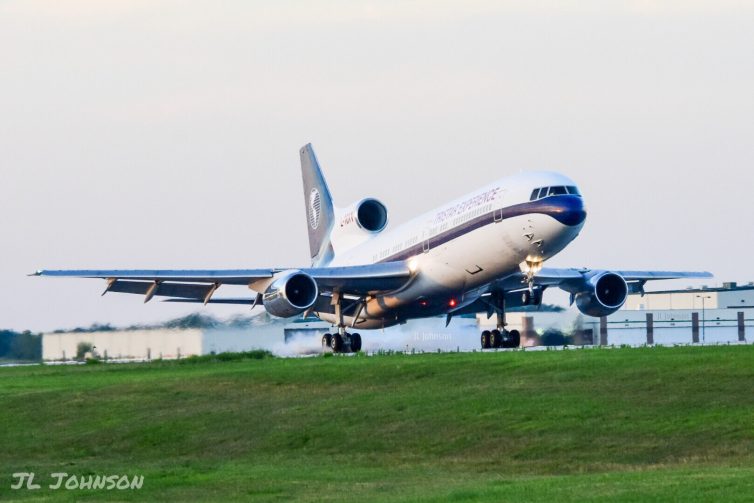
(20, 346)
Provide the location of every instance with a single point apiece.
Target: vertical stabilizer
(320, 215)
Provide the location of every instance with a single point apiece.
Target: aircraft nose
(567, 209)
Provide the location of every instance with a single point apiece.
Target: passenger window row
(553, 191)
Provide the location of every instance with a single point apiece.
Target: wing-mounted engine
(290, 293)
(601, 293)
(358, 223)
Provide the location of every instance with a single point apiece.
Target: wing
(568, 279)
(190, 285)
(226, 276)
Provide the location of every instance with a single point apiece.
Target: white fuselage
(463, 245)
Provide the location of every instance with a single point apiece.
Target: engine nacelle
(290, 293)
(358, 223)
(603, 293)
(369, 215)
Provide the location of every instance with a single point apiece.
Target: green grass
(584, 425)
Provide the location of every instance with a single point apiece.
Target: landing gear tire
(486, 339)
(496, 338)
(514, 339)
(351, 343)
(326, 341)
(336, 343)
(355, 343)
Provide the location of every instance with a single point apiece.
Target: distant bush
(257, 354)
(96, 327)
(542, 308)
(195, 320)
(82, 349)
(554, 337)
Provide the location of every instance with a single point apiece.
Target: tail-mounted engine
(290, 293)
(368, 215)
(359, 222)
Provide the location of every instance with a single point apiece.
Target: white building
(729, 296)
(150, 344)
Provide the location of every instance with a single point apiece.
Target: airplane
(481, 253)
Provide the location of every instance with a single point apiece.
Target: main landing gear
(342, 343)
(500, 337)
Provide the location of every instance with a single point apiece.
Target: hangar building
(729, 296)
(717, 315)
(167, 343)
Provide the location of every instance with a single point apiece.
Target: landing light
(532, 265)
(413, 264)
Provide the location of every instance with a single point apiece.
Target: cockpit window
(554, 191)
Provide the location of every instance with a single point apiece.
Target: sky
(165, 134)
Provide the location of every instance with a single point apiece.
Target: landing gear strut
(500, 337)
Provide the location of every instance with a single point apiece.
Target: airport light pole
(703, 316)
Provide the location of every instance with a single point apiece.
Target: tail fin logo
(315, 208)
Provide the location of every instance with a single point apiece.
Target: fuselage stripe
(570, 213)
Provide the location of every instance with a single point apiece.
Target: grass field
(623, 424)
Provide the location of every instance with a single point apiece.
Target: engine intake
(290, 293)
(371, 215)
(603, 294)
